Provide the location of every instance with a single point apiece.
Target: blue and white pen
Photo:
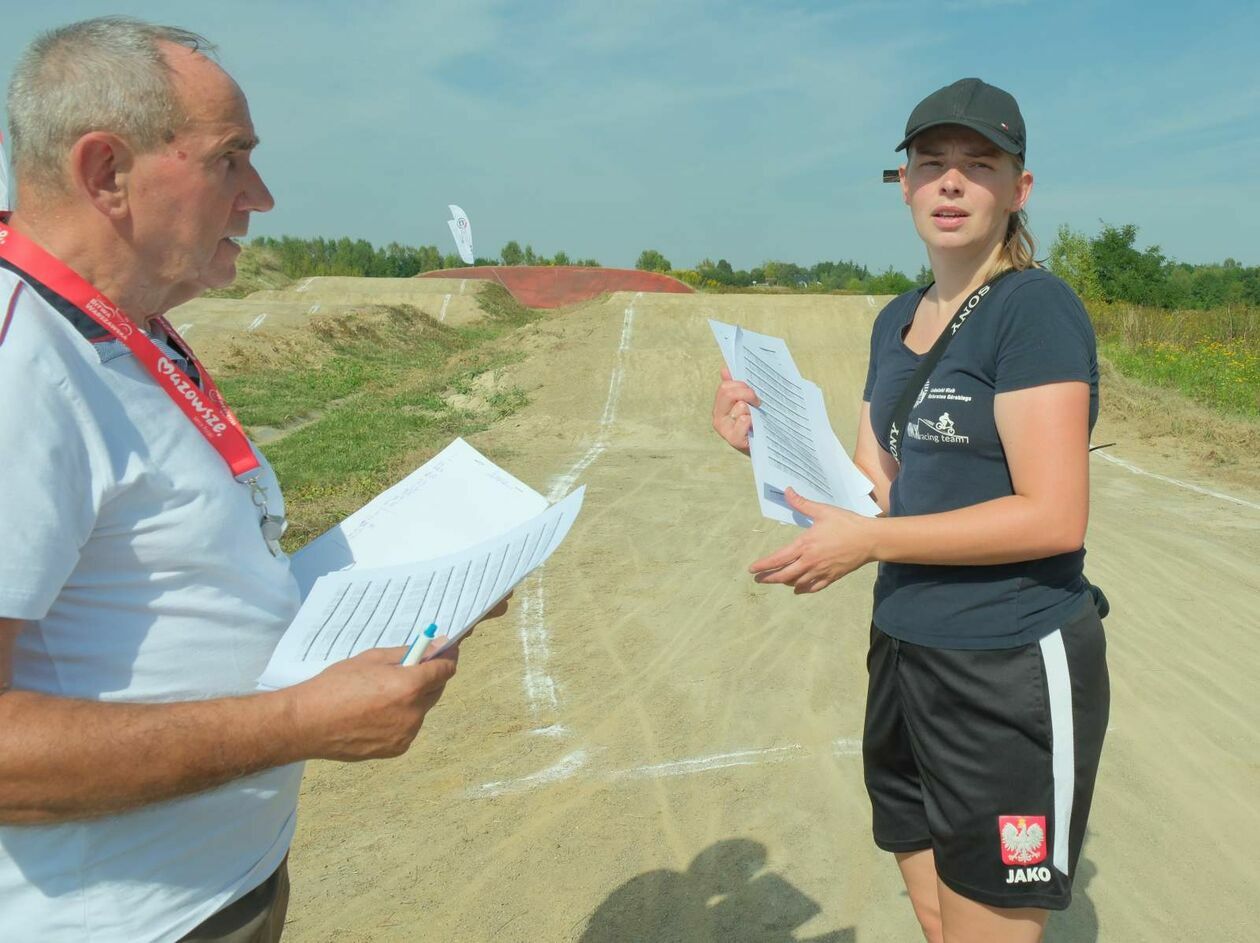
(419, 646)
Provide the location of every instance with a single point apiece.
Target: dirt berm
(212, 325)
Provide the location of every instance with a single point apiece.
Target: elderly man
(147, 791)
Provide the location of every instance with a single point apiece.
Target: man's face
(192, 196)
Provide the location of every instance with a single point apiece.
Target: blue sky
(749, 131)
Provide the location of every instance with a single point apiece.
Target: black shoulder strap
(901, 414)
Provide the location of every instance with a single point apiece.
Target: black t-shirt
(1030, 330)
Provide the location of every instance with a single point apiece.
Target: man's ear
(99, 167)
(905, 187)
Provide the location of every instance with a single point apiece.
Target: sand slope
(211, 324)
(651, 747)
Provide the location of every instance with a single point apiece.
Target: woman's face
(961, 189)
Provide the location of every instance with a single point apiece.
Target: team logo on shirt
(941, 430)
(1023, 838)
(922, 393)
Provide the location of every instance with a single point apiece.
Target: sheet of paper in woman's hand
(792, 443)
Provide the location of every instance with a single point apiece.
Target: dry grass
(1136, 326)
(256, 268)
(1159, 416)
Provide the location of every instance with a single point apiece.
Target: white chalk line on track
(445, 301)
(555, 730)
(313, 308)
(540, 687)
(705, 764)
(306, 284)
(565, 768)
(576, 763)
(1129, 466)
(565, 482)
(183, 329)
(257, 322)
(462, 283)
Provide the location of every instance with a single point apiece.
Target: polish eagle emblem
(1023, 839)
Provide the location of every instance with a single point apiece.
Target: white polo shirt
(138, 561)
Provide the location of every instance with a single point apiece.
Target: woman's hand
(836, 544)
(731, 416)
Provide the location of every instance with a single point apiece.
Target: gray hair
(104, 74)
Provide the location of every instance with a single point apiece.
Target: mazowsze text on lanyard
(204, 406)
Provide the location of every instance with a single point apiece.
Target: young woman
(988, 692)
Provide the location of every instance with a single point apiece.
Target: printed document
(443, 546)
(456, 499)
(791, 442)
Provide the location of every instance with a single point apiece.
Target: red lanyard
(204, 407)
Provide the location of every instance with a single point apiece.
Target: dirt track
(651, 747)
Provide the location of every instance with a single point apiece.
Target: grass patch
(1167, 419)
(369, 395)
(340, 356)
(502, 312)
(1223, 376)
(1213, 357)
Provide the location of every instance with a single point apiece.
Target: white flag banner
(461, 229)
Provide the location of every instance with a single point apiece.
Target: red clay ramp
(551, 286)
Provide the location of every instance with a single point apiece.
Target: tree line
(821, 276)
(303, 257)
(1110, 267)
(1107, 267)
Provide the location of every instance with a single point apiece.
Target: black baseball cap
(984, 108)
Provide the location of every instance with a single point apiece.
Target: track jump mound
(552, 286)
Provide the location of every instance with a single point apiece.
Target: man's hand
(837, 543)
(731, 416)
(368, 706)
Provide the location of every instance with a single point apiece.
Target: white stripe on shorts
(1063, 766)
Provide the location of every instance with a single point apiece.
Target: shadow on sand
(1079, 923)
(724, 895)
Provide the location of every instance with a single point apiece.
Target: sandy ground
(652, 747)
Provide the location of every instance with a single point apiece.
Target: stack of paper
(792, 442)
(442, 546)
(456, 499)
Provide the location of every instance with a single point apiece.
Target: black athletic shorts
(989, 758)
